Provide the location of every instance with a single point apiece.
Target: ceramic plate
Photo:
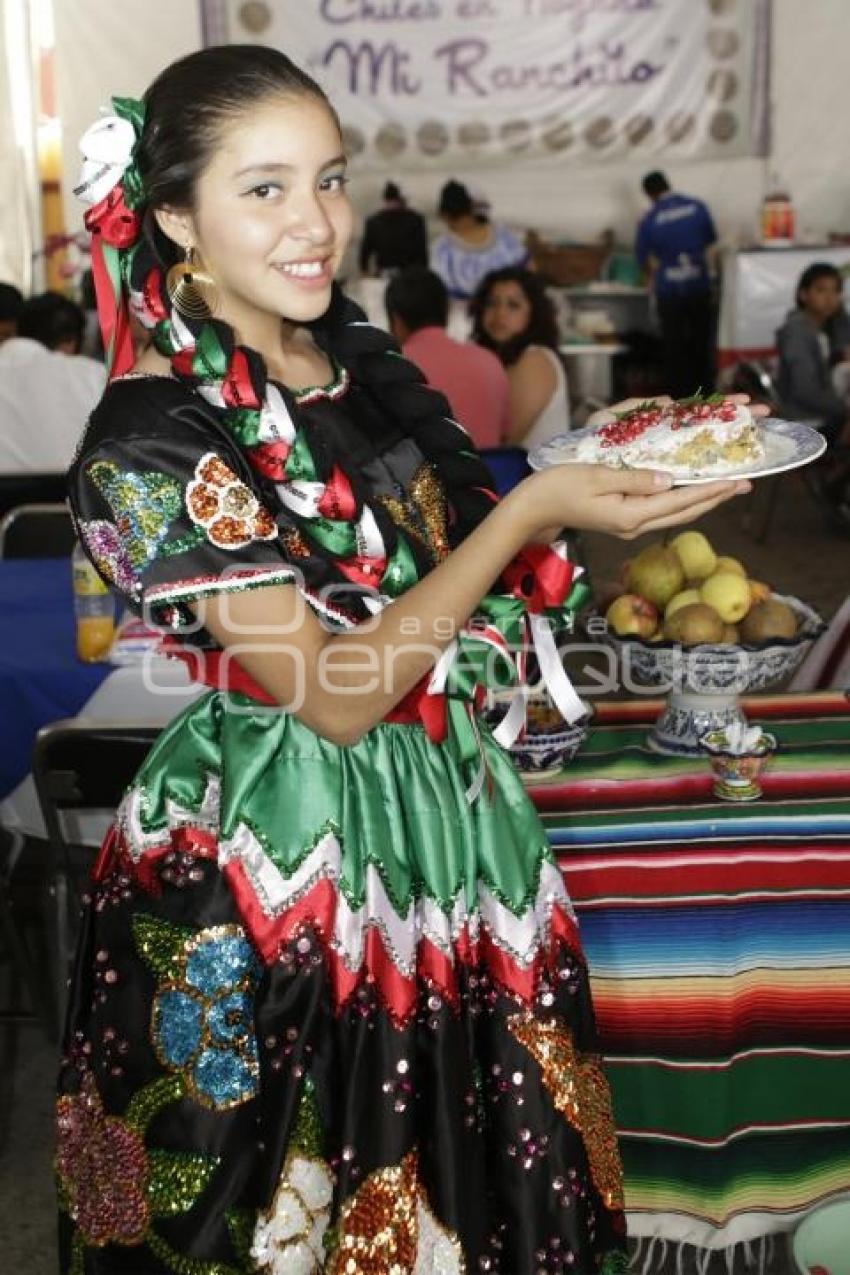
(787, 445)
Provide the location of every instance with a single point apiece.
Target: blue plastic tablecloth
(41, 678)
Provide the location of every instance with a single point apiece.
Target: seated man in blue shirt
(672, 240)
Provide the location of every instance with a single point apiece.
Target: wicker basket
(567, 266)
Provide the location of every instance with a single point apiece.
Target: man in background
(472, 378)
(673, 242)
(394, 237)
(11, 301)
(47, 388)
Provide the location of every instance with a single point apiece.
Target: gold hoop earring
(191, 288)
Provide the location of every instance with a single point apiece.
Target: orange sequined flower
(225, 507)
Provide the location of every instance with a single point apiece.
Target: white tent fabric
(103, 49)
(19, 207)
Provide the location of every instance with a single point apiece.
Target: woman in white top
(513, 316)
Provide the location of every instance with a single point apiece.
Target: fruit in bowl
(548, 742)
(716, 637)
(687, 594)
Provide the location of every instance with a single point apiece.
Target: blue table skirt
(41, 678)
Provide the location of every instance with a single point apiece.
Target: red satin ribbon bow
(539, 577)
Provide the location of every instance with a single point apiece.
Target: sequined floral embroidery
(388, 1227)
(102, 1167)
(289, 1238)
(202, 1022)
(103, 541)
(111, 1184)
(144, 504)
(229, 512)
(579, 1090)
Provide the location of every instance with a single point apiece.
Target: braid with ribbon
(319, 498)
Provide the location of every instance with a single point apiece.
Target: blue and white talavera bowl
(548, 742)
(703, 682)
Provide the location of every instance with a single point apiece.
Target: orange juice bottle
(94, 609)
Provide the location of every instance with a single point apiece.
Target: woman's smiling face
(272, 219)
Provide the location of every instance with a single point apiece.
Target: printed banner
(422, 82)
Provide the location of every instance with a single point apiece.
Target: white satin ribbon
(276, 424)
(301, 497)
(107, 149)
(370, 542)
(555, 679)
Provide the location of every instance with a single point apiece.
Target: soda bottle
(94, 609)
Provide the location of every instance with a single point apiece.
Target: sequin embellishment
(421, 511)
(111, 1185)
(202, 1022)
(229, 512)
(289, 1237)
(144, 504)
(102, 1166)
(579, 1090)
(388, 1227)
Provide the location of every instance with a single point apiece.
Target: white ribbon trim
(510, 727)
(555, 679)
(107, 149)
(301, 497)
(276, 424)
(369, 538)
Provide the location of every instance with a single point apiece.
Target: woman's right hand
(621, 502)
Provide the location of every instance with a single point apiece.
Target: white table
(151, 693)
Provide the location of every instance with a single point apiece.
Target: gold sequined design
(428, 494)
(378, 1228)
(294, 543)
(421, 512)
(579, 1090)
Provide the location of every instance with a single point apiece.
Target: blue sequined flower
(203, 1023)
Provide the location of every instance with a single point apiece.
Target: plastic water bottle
(94, 609)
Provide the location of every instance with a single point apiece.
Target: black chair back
(31, 489)
(78, 765)
(37, 531)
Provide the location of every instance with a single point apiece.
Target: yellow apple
(656, 574)
(683, 599)
(728, 593)
(696, 555)
(632, 616)
(730, 564)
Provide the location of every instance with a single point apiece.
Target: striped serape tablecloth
(718, 938)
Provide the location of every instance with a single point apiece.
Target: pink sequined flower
(102, 1168)
(103, 541)
(225, 507)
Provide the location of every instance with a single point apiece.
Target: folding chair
(27, 489)
(42, 530)
(23, 968)
(79, 765)
(754, 378)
